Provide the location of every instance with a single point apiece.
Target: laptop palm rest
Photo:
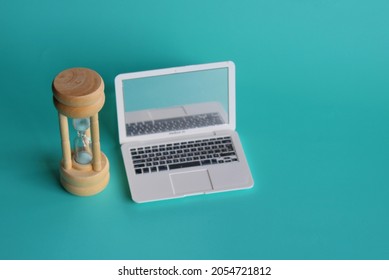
(192, 182)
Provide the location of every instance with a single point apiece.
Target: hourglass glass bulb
(81, 124)
(82, 143)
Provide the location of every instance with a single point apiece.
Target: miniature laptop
(177, 132)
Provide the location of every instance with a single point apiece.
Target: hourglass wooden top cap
(78, 87)
(78, 92)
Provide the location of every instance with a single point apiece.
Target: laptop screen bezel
(123, 138)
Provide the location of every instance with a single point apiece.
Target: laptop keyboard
(173, 124)
(184, 154)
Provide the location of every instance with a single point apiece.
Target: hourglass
(79, 94)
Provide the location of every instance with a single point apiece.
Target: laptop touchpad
(191, 182)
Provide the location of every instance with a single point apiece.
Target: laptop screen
(166, 101)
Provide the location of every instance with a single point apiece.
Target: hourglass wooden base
(82, 180)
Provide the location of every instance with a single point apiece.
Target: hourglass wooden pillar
(79, 94)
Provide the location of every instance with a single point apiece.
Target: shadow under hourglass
(52, 169)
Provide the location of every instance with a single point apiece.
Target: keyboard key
(162, 168)
(227, 154)
(184, 164)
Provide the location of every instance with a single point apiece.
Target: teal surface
(312, 113)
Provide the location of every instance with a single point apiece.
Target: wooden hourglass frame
(79, 94)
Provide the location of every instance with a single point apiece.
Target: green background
(312, 112)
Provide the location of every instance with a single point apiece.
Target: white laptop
(177, 132)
